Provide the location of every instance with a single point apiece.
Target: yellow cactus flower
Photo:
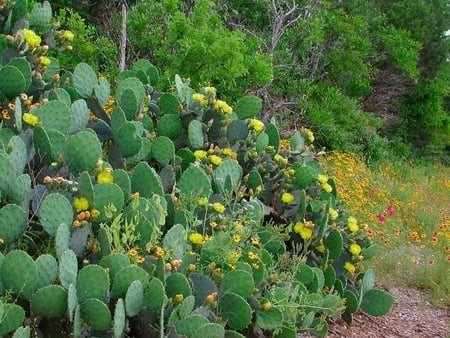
(200, 154)
(257, 125)
(68, 35)
(30, 119)
(210, 90)
(179, 298)
(304, 230)
(322, 179)
(216, 160)
(95, 213)
(196, 238)
(354, 249)
(349, 267)
(321, 247)
(199, 98)
(328, 188)
(352, 224)
(45, 61)
(105, 176)
(202, 201)
(333, 214)
(222, 106)
(81, 204)
(219, 207)
(31, 38)
(310, 136)
(287, 198)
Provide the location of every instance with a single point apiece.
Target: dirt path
(411, 317)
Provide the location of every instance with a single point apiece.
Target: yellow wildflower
(252, 255)
(81, 204)
(31, 38)
(237, 238)
(68, 35)
(216, 160)
(105, 176)
(219, 207)
(196, 238)
(352, 224)
(349, 267)
(287, 198)
(257, 125)
(30, 119)
(354, 249)
(200, 154)
(132, 252)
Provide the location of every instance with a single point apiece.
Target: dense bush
(162, 213)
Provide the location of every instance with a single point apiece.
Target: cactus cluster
(160, 213)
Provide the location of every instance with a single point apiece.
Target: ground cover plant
(129, 211)
(406, 208)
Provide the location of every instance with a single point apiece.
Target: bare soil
(411, 316)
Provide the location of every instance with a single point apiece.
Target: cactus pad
(163, 150)
(68, 268)
(84, 80)
(107, 194)
(154, 295)
(15, 84)
(20, 192)
(202, 287)
(96, 314)
(125, 277)
(50, 301)
(13, 222)
(195, 134)
(146, 181)
(239, 282)
(134, 298)
(377, 302)
(8, 173)
(237, 130)
(114, 263)
(19, 273)
(269, 320)
(195, 182)
(55, 115)
(83, 151)
(210, 330)
(248, 106)
(17, 152)
(334, 244)
(235, 310)
(119, 319)
(41, 15)
(79, 116)
(228, 175)
(190, 324)
(169, 126)
(13, 317)
(54, 210)
(92, 282)
(47, 270)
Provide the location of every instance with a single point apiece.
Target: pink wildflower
(382, 218)
(390, 210)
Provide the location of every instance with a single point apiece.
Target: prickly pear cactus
(50, 301)
(92, 282)
(55, 209)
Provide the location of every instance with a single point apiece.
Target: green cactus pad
(102, 91)
(234, 334)
(55, 115)
(96, 313)
(62, 239)
(169, 104)
(17, 152)
(297, 142)
(53, 69)
(47, 270)
(79, 116)
(122, 179)
(58, 141)
(210, 330)
(319, 327)
(114, 263)
(18, 114)
(68, 268)
(72, 301)
(195, 182)
(125, 277)
(274, 136)
(134, 298)
(133, 84)
(330, 276)
(54, 210)
(237, 130)
(83, 151)
(129, 103)
(77, 322)
(146, 181)
(368, 281)
(84, 80)
(169, 126)
(106, 195)
(377, 302)
(19, 273)
(13, 317)
(269, 320)
(41, 15)
(334, 244)
(86, 188)
(351, 301)
(92, 282)
(235, 311)
(187, 157)
(248, 106)
(176, 284)
(50, 301)
(163, 150)
(61, 95)
(370, 251)
(202, 287)
(42, 145)
(254, 180)
(119, 319)
(262, 141)
(143, 154)
(13, 222)
(16, 83)
(175, 240)
(127, 140)
(195, 134)
(24, 66)
(188, 325)
(154, 295)
(18, 12)
(304, 274)
(8, 173)
(22, 332)
(239, 282)
(318, 281)
(20, 192)
(228, 172)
